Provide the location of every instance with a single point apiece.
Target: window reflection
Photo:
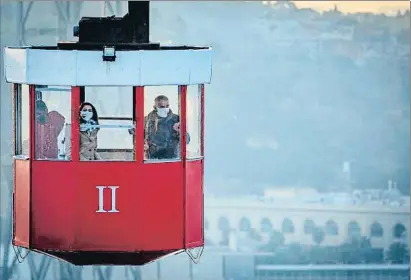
(194, 121)
(161, 123)
(52, 109)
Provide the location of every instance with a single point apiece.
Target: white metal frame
(87, 68)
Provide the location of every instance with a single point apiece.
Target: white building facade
(384, 222)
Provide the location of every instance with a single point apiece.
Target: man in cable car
(47, 129)
(161, 131)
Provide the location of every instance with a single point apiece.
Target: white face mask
(162, 112)
(86, 115)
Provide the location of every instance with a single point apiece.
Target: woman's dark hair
(95, 115)
(41, 106)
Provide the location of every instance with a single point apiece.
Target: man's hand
(145, 146)
(176, 127)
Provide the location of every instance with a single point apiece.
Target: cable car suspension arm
(195, 259)
(19, 257)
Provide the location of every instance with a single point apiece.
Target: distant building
(383, 216)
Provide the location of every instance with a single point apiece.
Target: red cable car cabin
(123, 208)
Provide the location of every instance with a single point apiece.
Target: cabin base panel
(109, 258)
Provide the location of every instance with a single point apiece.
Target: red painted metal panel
(161, 207)
(53, 202)
(22, 203)
(194, 203)
(149, 201)
(65, 199)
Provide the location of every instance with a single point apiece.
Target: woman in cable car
(88, 134)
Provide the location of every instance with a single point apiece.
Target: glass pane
(17, 119)
(111, 101)
(108, 134)
(22, 111)
(115, 142)
(52, 111)
(194, 121)
(161, 123)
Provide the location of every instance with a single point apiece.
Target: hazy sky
(357, 6)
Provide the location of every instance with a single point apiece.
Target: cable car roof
(68, 67)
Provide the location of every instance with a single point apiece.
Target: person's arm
(57, 121)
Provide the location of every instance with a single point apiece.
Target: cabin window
(194, 121)
(52, 117)
(22, 120)
(113, 118)
(162, 124)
